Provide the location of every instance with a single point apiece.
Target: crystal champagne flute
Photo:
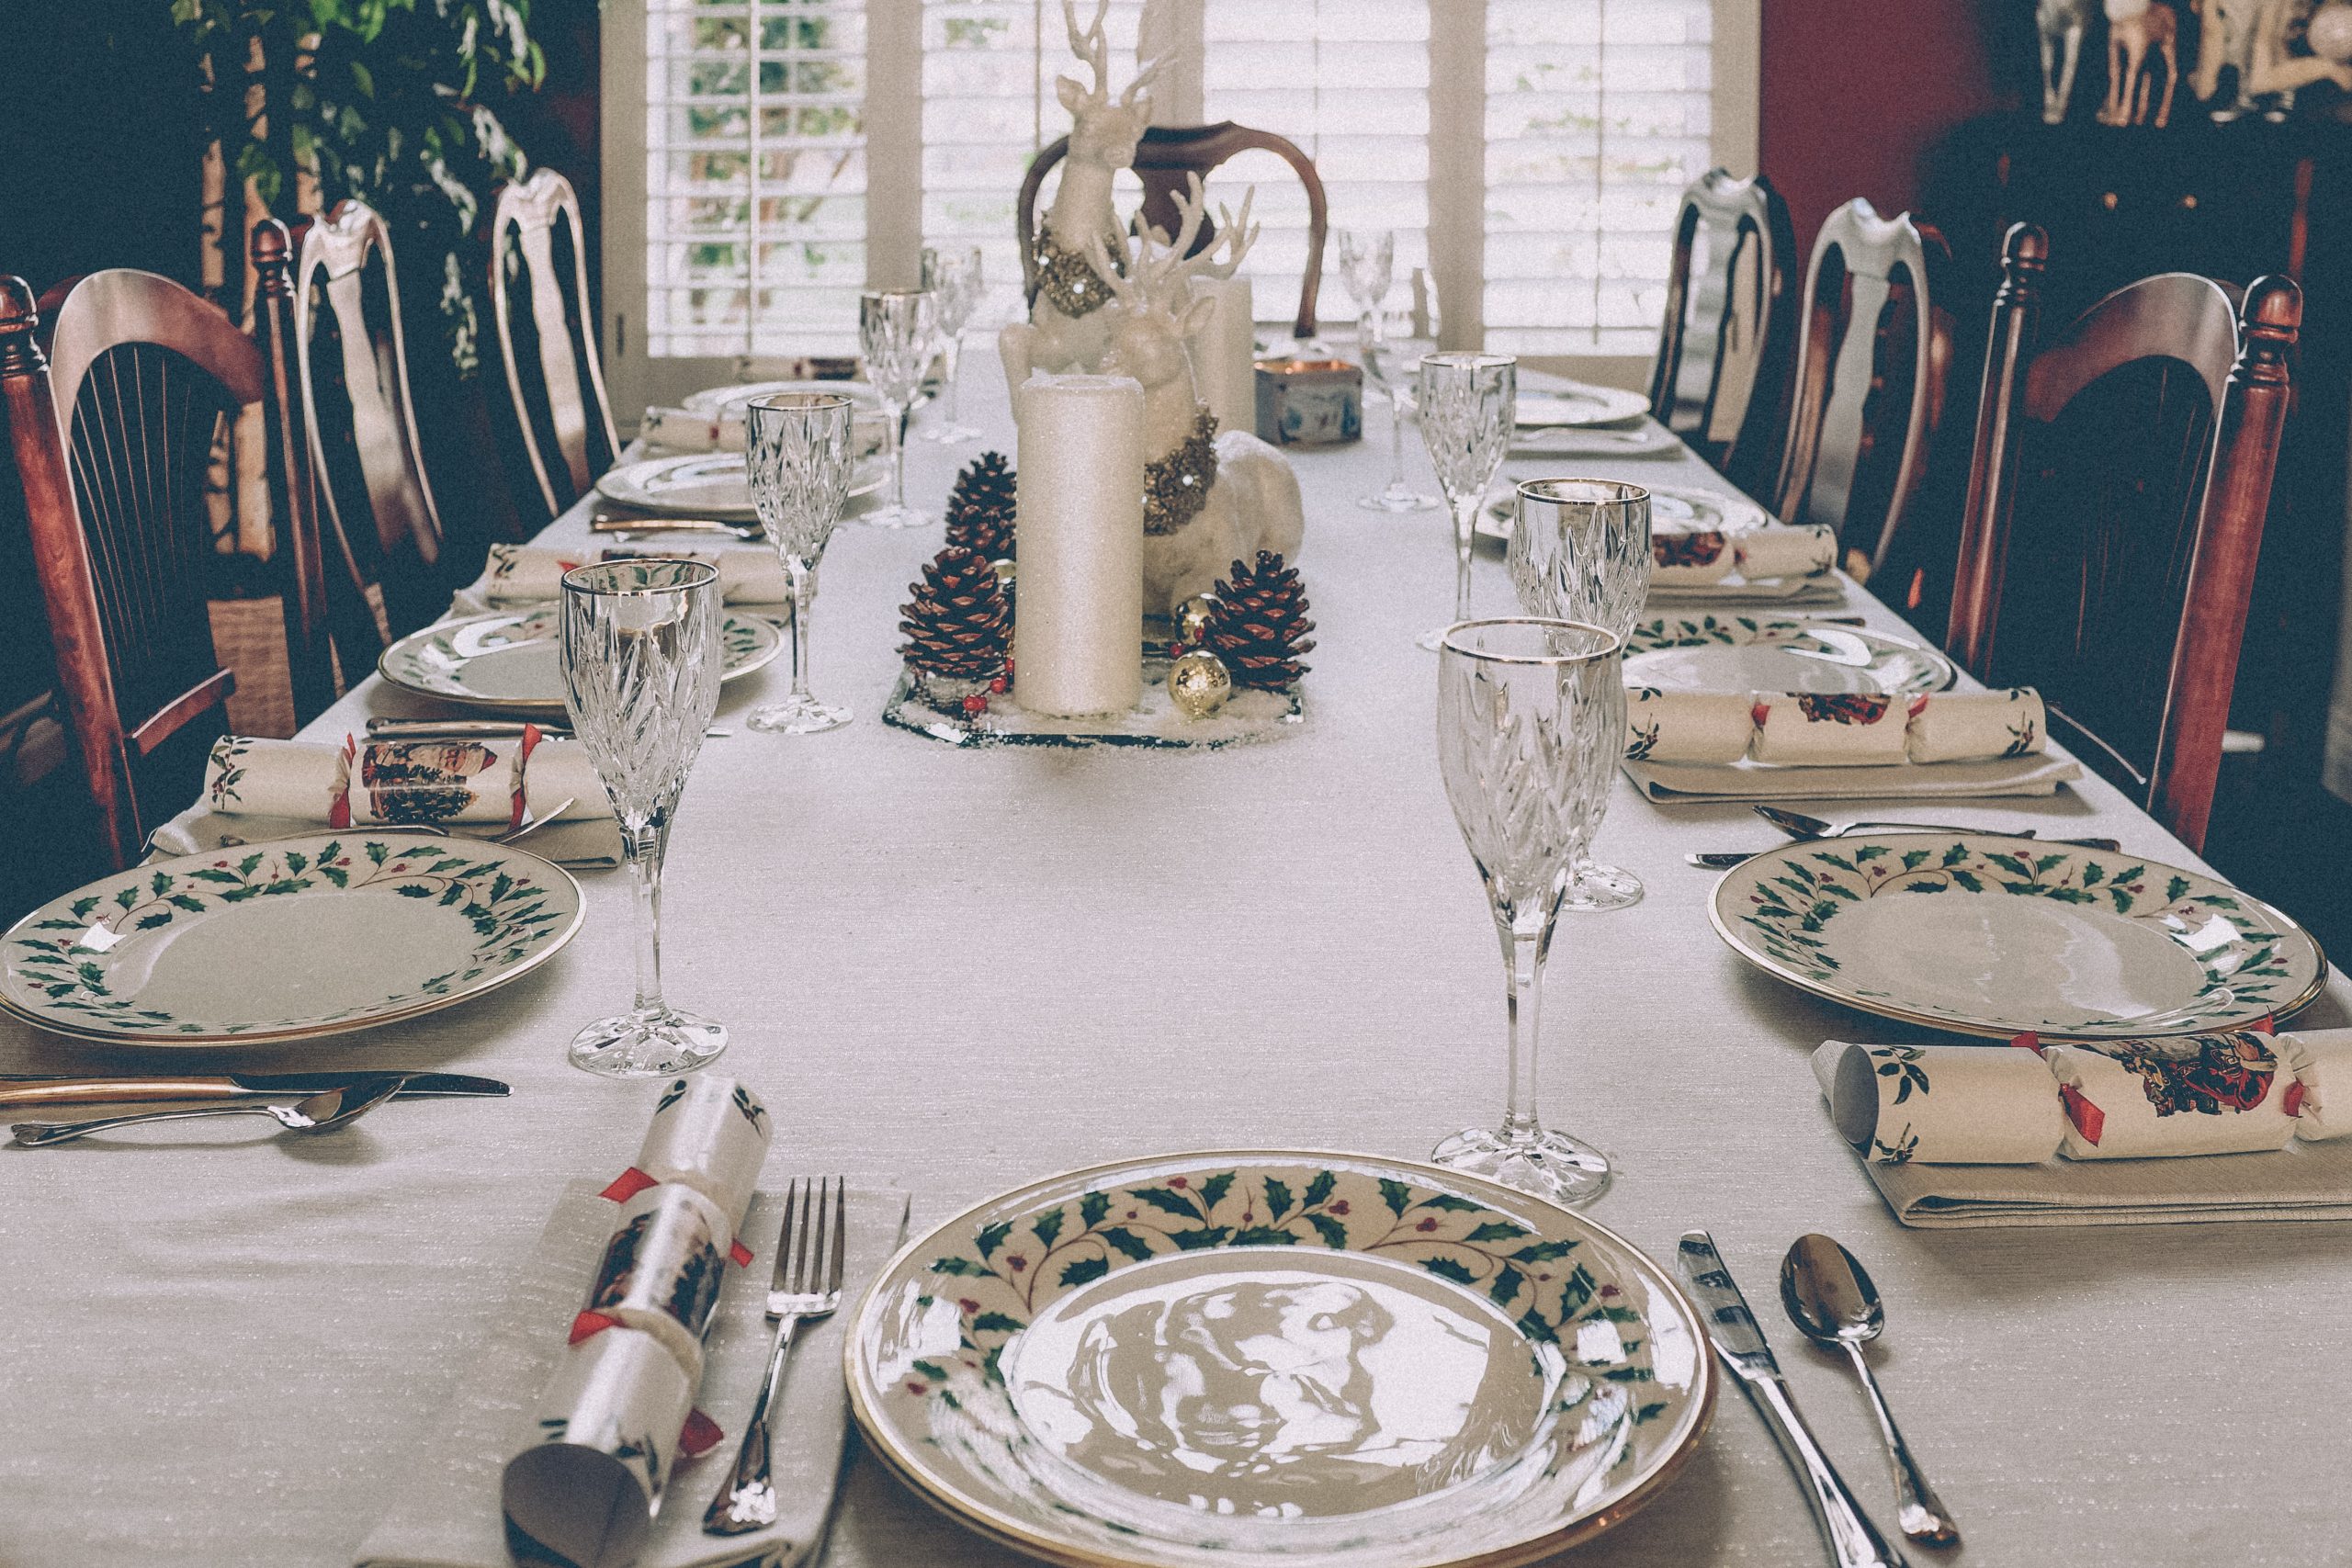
(798, 453)
(1384, 352)
(955, 277)
(1469, 403)
(1580, 551)
(642, 659)
(1530, 717)
(896, 328)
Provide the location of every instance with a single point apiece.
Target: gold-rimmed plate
(2001, 936)
(1277, 1355)
(289, 940)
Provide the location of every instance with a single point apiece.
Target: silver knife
(384, 728)
(20, 1090)
(1854, 1542)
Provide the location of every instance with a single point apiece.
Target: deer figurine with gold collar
(1209, 499)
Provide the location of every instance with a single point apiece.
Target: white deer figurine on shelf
(1209, 500)
(1067, 330)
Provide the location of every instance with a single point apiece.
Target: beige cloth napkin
(449, 1516)
(526, 574)
(2302, 1181)
(1670, 782)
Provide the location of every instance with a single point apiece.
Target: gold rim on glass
(1614, 644)
(581, 579)
(1540, 489)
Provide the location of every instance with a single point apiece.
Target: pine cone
(980, 508)
(1259, 627)
(960, 624)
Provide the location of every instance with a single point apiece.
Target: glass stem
(955, 381)
(1466, 519)
(1395, 441)
(899, 415)
(1527, 939)
(802, 576)
(644, 843)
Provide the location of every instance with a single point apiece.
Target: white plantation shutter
(755, 175)
(792, 151)
(1347, 80)
(1598, 114)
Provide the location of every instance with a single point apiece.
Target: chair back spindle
(1873, 355)
(1721, 374)
(546, 337)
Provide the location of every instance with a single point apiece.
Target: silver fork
(807, 1285)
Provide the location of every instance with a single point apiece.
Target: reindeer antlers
(1093, 45)
(1156, 273)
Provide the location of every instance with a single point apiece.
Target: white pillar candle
(1077, 618)
(1225, 353)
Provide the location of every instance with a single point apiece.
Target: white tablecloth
(957, 971)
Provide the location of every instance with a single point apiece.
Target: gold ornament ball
(1199, 683)
(1191, 618)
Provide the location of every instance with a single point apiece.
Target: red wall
(1854, 91)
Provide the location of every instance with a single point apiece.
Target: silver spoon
(1830, 1297)
(320, 1113)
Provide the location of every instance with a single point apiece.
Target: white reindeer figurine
(2061, 24)
(1067, 330)
(2141, 37)
(1209, 500)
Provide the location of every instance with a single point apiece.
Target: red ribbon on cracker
(2089, 1118)
(628, 1185)
(699, 1434)
(741, 1254)
(589, 1325)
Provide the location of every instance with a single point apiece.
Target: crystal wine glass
(955, 277)
(799, 452)
(1580, 551)
(1385, 355)
(1530, 717)
(896, 328)
(1469, 403)
(640, 680)
(1367, 266)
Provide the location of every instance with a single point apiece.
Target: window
(768, 158)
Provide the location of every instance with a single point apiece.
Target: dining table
(952, 970)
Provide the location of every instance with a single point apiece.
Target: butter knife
(1853, 1540)
(19, 1090)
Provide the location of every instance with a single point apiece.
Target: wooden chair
(2116, 498)
(112, 433)
(1871, 360)
(1722, 369)
(546, 337)
(381, 531)
(1164, 156)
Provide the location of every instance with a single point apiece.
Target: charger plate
(2002, 937)
(512, 659)
(1778, 653)
(1578, 405)
(297, 938)
(709, 484)
(1278, 1357)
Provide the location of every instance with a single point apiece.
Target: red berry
(999, 685)
(976, 703)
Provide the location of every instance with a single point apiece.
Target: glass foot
(1397, 498)
(898, 516)
(798, 716)
(1594, 888)
(648, 1045)
(950, 435)
(1551, 1166)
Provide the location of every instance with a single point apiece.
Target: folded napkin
(448, 1487)
(2302, 1181)
(2038, 775)
(523, 574)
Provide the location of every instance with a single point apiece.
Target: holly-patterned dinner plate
(296, 938)
(1777, 653)
(512, 659)
(712, 484)
(1256, 1357)
(2002, 936)
(1671, 508)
